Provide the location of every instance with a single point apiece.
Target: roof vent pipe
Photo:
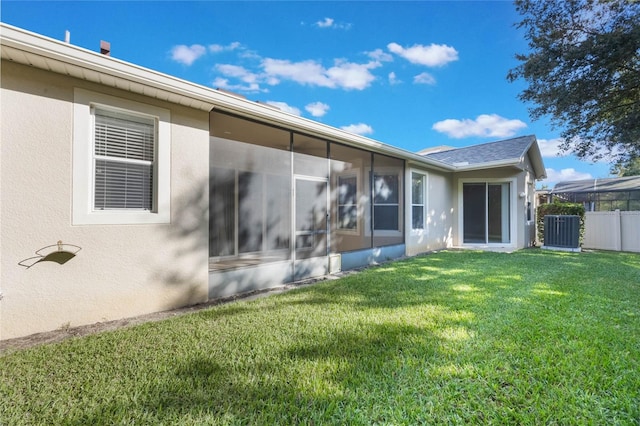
(105, 47)
(67, 36)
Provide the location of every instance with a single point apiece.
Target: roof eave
(241, 107)
(46, 53)
(511, 162)
(535, 156)
(33, 49)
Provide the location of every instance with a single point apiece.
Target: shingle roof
(598, 185)
(510, 149)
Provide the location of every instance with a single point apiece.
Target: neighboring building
(543, 196)
(164, 193)
(597, 195)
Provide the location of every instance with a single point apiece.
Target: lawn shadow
(327, 353)
(203, 389)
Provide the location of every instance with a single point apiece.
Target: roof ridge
(484, 143)
(528, 138)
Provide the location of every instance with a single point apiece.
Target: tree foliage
(628, 168)
(583, 71)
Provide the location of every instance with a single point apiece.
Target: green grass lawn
(533, 337)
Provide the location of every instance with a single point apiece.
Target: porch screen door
(311, 222)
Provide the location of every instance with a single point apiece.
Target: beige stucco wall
(520, 239)
(528, 179)
(122, 270)
(438, 233)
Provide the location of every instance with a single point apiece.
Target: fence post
(618, 230)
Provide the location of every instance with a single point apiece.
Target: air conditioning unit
(562, 231)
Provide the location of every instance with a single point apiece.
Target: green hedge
(559, 208)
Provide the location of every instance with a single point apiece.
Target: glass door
(474, 207)
(311, 217)
(498, 213)
(486, 213)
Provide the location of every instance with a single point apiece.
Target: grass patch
(531, 337)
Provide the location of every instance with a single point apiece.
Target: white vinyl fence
(619, 231)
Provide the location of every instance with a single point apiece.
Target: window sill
(120, 218)
(354, 232)
(384, 233)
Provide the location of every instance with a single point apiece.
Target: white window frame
(83, 161)
(352, 173)
(424, 202)
(384, 171)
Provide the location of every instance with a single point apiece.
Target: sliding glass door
(486, 213)
(498, 213)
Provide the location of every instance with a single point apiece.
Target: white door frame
(513, 217)
(318, 265)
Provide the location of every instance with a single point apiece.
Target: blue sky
(413, 74)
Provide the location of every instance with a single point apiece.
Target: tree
(627, 168)
(583, 70)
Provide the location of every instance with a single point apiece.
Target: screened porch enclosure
(249, 196)
(278, 196)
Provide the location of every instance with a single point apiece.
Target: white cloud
(249, 55)
(569, 174)
(485, 125)
(305, 72)
(187, 54)
(345, 75)
(283, 106)
(424, 78)
(238, 72)
(325, 23)
(550, 148)
(331, 23)
(434, 55)
(349, 75)
(358, 129)
(393, 79)
(217, 48)
(223, 83)
(317, 109)
(252, 79)
(272, 80)
(380, 55)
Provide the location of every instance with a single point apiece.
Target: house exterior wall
(121, 270)
(134, 267)
(439, 213)
(528, 203)
(520, 238)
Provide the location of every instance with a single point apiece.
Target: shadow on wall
(188, 237)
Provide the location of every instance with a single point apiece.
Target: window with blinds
(124, 155)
